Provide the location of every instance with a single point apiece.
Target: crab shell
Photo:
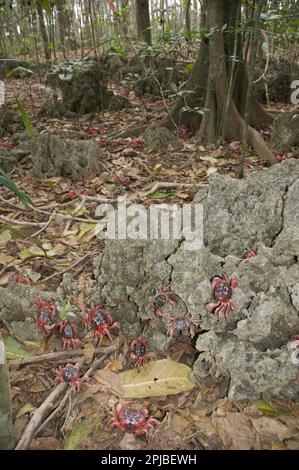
(131, 419)
(70, 375)
(180, 323)
(138, 352)
(101, 322)
(160, 299)
(222, 290)
(68, 333)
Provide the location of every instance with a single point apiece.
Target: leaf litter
(35, 244)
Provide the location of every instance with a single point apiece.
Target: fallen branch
(80, 260)
(59, 356)
(69, 393)
(167, 185)
(20, 222)
(37, 418)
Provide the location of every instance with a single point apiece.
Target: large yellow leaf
(163, 377)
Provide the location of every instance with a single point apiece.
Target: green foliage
(8, 183)
(67, 70)
(25, 119)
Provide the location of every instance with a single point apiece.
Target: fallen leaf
(211, 170)
(82, 431)
(27, 408)
(209, 159)
(266, 408)
(5, 237)
(158, 378)
(272, 427)
(12, 349)
(160, 195)
(4, 259)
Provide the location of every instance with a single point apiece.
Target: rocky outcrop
(251, 351)
(53, 156)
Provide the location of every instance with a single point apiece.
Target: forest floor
(41, 246)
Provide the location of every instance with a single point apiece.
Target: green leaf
(28, 408)
(83, 430)
(8, 183)
(12, 349)
(5, 237)
(25, 119)
(266, 408)
(46, 6)
(160, 195)
(64, 311)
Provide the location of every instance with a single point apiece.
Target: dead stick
(165, 185)
(38, 416)
(57, 356)
(60, 273)
(43, 411)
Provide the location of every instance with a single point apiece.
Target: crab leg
(210, 306)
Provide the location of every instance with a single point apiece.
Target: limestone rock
(53, 156)
(160, 139)
(285, 133)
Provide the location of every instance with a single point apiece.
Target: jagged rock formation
(251, 351)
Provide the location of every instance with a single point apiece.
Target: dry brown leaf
(235, 431)
(272, 427)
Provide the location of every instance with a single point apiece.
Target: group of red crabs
(126, 417)
(130, 419)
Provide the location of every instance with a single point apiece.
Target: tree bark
(7, 435)
(43, 31)
(143, 21)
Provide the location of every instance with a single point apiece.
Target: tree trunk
(7, 435)
(43, 31)
(143, 21)
(212, 124)
(64, 23)
(212, 102)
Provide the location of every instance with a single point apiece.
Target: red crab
(101, 322)
(161, 298)
(138, 351)
(249, 254)
(71, 376)
(68, 333)
(179, 323)
(130, 419)
(18, 278)
(46, 310)
(3, 330)
(222, 290)
(122, 180)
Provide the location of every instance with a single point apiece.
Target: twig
(36, 422)
(69, 393)
(167, 185)
(59, 356)
(38, 416)
(60, 273)
(20, 222)
(35, 234)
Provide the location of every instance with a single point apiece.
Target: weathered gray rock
(53, 156)
(251, 349)
(160, 139)
(285, 133)
(7, 160)
(241, 213)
